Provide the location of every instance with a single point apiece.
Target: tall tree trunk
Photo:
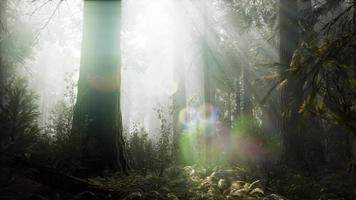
(290, 93)
(179, 97)
(237, 86)
(97, 115)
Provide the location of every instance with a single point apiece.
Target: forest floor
(230, 183)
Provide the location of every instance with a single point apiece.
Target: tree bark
(290, 93)
(97, 114)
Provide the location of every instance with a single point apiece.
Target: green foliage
(188, 183)
(65, 144)
(148, 155)
(247, 125)
(18, 116)
(141, 150)
(326, 73)
(319, 83)
(252, 147)
(165, 143)
(324, 66)
(256, 13)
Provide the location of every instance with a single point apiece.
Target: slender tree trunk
(209, 96)
(247, 104)
(179, 98)
(97, 115)
(237, 98)
(208, 88)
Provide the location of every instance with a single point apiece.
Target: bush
(141, 150)
(65, 144)
(18, 117)
(147, 155)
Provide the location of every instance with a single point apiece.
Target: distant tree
(16, 39)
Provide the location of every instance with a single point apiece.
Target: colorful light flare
(207, 141)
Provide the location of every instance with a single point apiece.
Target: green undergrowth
(188, 183)
(232, 183)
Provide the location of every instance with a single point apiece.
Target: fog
(168, 50)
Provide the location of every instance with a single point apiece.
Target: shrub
(18, 117)
(65, 144)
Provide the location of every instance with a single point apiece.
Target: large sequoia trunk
(97, 115)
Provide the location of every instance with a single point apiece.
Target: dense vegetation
(292, 120)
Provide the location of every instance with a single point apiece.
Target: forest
(178, 99)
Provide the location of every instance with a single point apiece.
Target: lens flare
(188, 117)
(205, 140)
(200, 142)
(249, 144)
(209, 114)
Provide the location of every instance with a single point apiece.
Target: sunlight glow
(148, 32)
(158, 39)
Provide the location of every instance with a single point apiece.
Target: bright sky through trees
(154, 35)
